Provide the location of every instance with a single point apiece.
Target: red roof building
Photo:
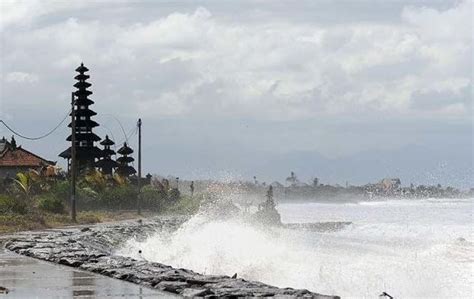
(14, 159)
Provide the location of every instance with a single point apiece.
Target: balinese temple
(106, 164)
(86, 152)
(123, 168)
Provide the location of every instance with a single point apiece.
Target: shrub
(173, 195)
(119, 197)
(9, 204)
(87, 198)
(61, 189)
(51, 203)
(152, 198)
(185, 205)
(95, 180)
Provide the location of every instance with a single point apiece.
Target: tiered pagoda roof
(124, 169)
(86, 151)
(106, 164)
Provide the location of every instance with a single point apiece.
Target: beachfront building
(390, 184)
(15, 159)
(106, 164)
(86, 152)
(124, 168)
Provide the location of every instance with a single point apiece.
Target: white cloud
(24, 13)
(272, 75)
(275, 67)
(16, 11)
(271, 69)
(21, 77)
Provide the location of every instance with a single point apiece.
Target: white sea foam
(410, 249)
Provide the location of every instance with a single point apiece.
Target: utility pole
(73, 159)
(139, 124)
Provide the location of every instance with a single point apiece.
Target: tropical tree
(96, 180)
(24, 183)
(119, 180)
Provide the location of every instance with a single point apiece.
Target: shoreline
(91, 248)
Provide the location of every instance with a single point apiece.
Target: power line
(126, 136)
(131, 133)
(35, 138)
(111, 134)
(134, 143)
(118, 121)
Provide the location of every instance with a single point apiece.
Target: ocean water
(407, 248)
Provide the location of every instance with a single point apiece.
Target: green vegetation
(34, 202)
(51, 203)
(185, 205)
(14, 222)
(12, 205)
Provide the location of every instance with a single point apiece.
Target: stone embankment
(92, 249)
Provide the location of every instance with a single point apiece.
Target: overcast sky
(343, 90)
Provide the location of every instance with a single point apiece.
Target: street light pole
(139, 124)
(73, 159)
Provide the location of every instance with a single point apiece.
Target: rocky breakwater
(92, 249)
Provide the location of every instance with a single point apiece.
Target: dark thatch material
(125, 150)
(107, 141)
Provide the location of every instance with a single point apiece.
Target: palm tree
(24, 182)
(96, 180)
(119, 180)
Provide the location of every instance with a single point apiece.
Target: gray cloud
(298, 76)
